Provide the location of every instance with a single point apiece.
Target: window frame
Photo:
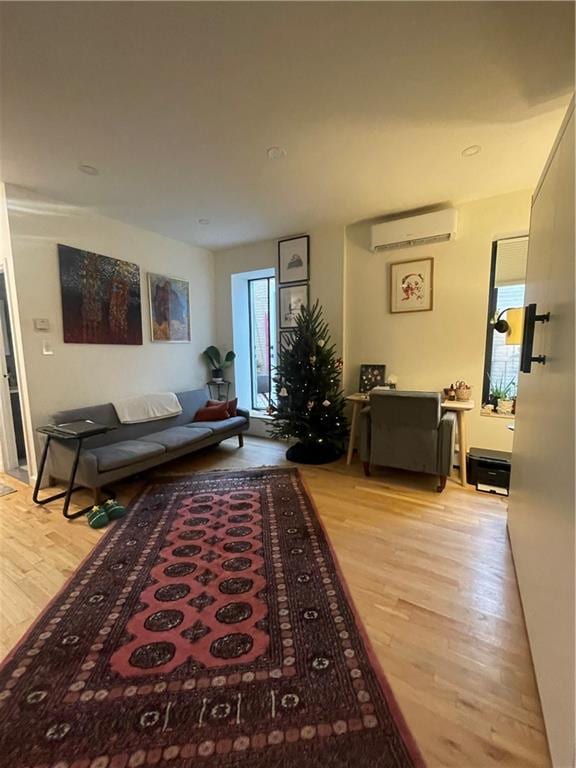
(492, 306)
(253, 373)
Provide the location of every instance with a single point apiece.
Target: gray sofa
(131, 448)
(407, 430)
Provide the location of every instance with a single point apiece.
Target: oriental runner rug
(210, 627)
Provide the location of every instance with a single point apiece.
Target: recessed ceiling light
(276, 153)
(474, 149)
(204, 222)
(90, 170)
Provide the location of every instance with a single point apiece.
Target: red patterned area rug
(210, 627)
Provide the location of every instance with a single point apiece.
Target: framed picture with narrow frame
(294, 260)
(286, 339)
(291, 299)
(169, 308)
(412, 285)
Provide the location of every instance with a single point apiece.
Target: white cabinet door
(541, 508)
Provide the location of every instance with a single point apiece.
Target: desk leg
(353, 427)
(67, 494)
(40, 472)
(463, 445)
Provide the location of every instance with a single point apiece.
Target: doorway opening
(12, 439)
(254, 330)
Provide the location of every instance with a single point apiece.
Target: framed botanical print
(291, 299)
(169, 308)
(294, 259)
(412, 285)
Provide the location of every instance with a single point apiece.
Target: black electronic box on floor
(489, 470)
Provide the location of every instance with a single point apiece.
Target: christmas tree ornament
(310, 405)
(283, 392)
(312, 359)
(321, 343)
(326, 403)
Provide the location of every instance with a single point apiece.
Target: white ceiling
(176, 104)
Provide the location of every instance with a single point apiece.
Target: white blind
(511, 258)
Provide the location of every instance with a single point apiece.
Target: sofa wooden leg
(441, 483)
(97, 495)
(366, 465)
(240, 440)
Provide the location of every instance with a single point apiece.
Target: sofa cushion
(118, 455)
(177, 437)
(231, 405)
(234, 422)
(212, 412)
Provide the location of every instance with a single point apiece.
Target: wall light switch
(41, 324)
(47, 348)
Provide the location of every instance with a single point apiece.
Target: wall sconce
(512, 326)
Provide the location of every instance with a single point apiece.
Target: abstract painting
(169, 308)
(100, 298)
(411, 286)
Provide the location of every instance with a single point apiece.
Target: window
(254, 335)
(262, 303)
(507, 283)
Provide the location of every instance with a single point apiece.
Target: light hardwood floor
(431, 576)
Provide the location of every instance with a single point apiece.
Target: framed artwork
(292, 298)
(412, 285)
(169, 308)
(287, 339)
(371, 376)
(100, 298)
(294, 259)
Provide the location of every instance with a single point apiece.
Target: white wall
(326, 276)
(85, 374)
(430, 350)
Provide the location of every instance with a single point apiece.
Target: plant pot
(505, 406)
(217, 374)
(313, 453)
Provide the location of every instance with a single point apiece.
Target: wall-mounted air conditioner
(432, 227)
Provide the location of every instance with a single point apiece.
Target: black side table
(52, 433)
(225, 385)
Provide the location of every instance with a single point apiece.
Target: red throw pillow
(212, 413)
(231, 405)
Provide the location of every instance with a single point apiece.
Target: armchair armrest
(365, 433)
(446, 437)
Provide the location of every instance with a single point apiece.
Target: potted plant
(503, 395)
(217, 363)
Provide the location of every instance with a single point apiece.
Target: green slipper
(114, 509)
(97, 517)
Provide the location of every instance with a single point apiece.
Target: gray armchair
(407, 430)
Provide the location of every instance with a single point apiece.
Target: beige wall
(84, 374)
(326, 275)
(430, 350)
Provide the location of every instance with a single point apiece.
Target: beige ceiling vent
(435, 227)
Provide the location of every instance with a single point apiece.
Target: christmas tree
(309, 400)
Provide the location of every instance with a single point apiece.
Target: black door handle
(530, 320)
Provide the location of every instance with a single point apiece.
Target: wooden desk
(460, 407)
